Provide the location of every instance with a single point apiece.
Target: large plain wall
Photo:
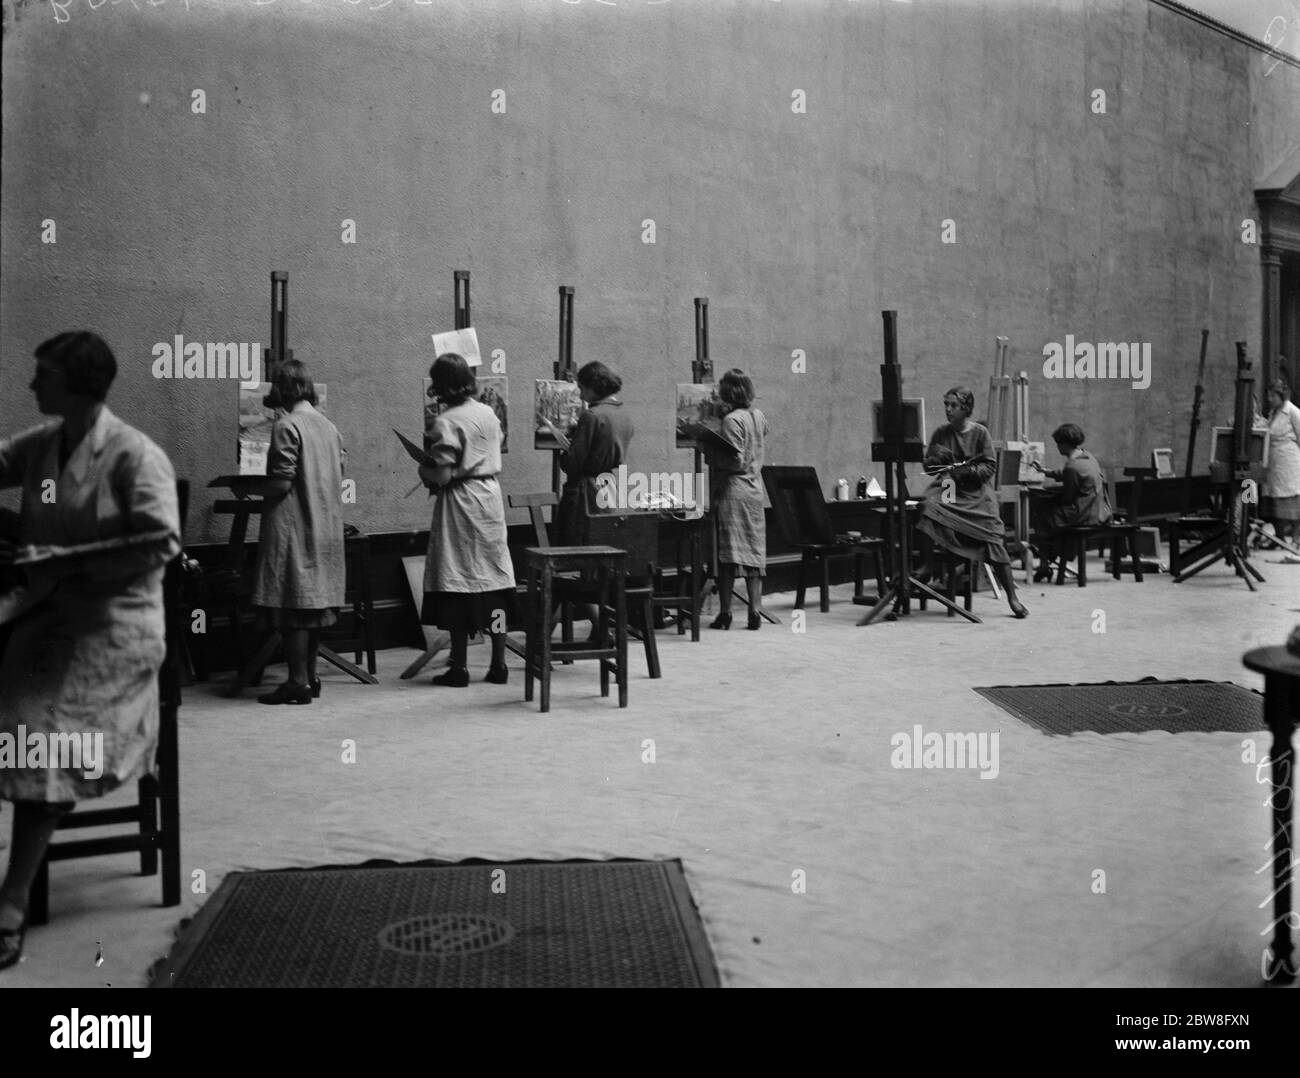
(800, 228)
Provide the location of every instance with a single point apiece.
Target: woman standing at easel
(596, 445)
(1284, 461)
(469, 580)
(738, 502)
(300, 551)
(960, 513)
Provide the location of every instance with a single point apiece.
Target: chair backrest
(635, 531)
(535, 503)
(798, 504)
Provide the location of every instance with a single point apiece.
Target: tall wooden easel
(244, 506)
(894, 450)
(437, 640)
(563, 371)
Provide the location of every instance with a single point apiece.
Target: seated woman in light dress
(84, 655)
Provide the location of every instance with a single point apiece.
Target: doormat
(1136, 707)
(480, 924)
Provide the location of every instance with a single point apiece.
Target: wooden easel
(895, 450)
(701, 574)
(244, 506)
(436, 639)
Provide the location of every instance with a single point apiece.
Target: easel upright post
(460, 282)
(563, 369)
(279, 351)
(1196, 422)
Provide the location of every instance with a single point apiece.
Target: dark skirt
(571, 517)
(469, 612)
(965, 546)
(286, 618)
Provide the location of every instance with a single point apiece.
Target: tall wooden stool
(608, 566)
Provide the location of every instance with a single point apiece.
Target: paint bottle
(862, 486)
(842, 490)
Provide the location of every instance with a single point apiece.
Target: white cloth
(85, 659)
(1284, 452)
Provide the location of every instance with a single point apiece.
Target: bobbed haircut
(964, 397)
(1070, 434)
(87, 362)
(1280, 385)
(453, 379)
(599, 379)
(736, 388)
(291, 383)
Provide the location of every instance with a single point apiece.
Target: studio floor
(772, 758)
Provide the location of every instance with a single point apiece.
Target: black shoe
(11, 944)
(1018, 609)
(287, 694)
(755, 621)
(722, 621)
(315, 688)
(498, 675)
(923, 573)
(456, 676)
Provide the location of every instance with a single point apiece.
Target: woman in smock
(960, 512)
(1284, 461)
(469, 580)
(300, 551)
(738, 501)
(87, 644)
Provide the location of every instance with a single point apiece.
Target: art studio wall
(801, 164)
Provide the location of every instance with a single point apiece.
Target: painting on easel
(555, 403)
(493, 390)
(1031, 453)
(255, 421)
(698, 405)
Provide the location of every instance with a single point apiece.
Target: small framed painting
(1163, 462)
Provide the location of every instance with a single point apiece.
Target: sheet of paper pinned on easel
(558, 403)
(1030, 452)
(255, 422)
(464, 342)
(493, 390)
(698, 405)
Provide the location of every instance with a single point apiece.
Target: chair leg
(880, 572)
(1062, 557)
(38, 899)
(859, 567)
(1137, 558)
(148, 794)
(826, 584)
(648, 630)
(802, 590)
(1083, 562)
(952, 584)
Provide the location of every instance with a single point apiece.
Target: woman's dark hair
(1282, 386)
(964, 397)
(453, 379)
(85, 359)
(290, 384)
(599, 379)
(736, 388)
(1070, 434)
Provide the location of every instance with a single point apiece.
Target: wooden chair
(1074, 543)
(156, 816)
(800, 510)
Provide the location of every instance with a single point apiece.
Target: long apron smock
(468, 574)
(738, 504)
(300, 552)
(599, 444)
(1082, 500)
(1284, 461)
(83, 662)
(968, 525)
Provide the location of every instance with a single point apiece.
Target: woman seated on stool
(738, 504)
(469, 579)
(1082, 500)
(960, 511)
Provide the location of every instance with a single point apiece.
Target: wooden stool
(609, 566)
(356, 544)
(1281, 672)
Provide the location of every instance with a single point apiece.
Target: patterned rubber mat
(598, 924)
(1133, 707)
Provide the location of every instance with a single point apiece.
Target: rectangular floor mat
(1133, 707)
(590, 924)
